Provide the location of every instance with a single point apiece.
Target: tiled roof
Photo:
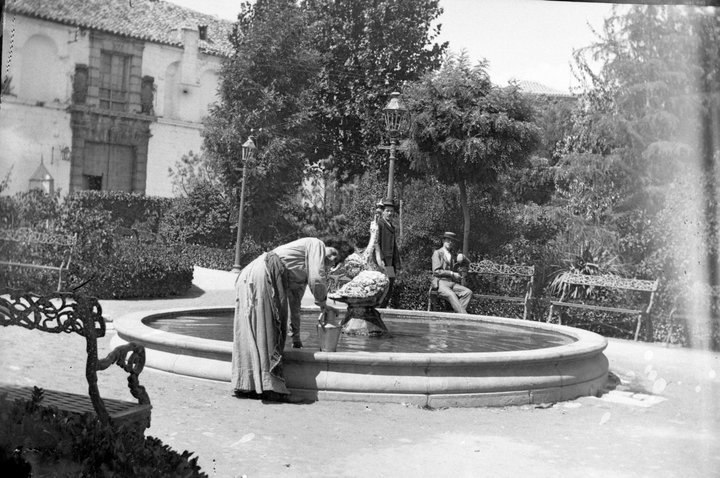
(535, 88)
(142, 19)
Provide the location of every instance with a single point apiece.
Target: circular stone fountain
(434, 370)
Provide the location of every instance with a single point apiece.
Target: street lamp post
(395, 113)
(248, 152)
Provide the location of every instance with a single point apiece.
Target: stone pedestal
(361, 317)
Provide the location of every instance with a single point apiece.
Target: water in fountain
(414, 335)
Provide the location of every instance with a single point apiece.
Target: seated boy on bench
(445, 276)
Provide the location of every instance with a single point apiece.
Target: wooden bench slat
(506, 298)
(36, 266)
(597, 307)
(119, 410)
(611, 282)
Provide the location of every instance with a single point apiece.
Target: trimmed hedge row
(125, 209)
(220, 259)
(134, 270)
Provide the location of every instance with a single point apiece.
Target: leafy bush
(32, 208)
(220, 259)
(16, 247)
(66, 444)
(410, 291)
(126, 209)
(134, 269)
(204, 217)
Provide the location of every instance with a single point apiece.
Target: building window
(114, 80)
(93, 183)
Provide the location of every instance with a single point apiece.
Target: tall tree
(648, 124)
(369, 49)
(464, 130)
(265, 92)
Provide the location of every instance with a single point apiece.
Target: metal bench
(70, 313)
(504, 276)
(31, 249)
(611, 282)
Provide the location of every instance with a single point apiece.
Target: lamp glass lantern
(248, 150)
(395, 115)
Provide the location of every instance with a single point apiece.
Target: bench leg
(648, 327)
(670, 323)
(549, 317)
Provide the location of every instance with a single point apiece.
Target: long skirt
(260, 326)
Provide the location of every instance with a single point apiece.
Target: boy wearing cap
(388, 247)
(446, 278)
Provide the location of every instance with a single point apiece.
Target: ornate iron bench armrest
(131, 358)
(64, 312)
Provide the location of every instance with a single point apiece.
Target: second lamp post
(395, 114)
(248, 152)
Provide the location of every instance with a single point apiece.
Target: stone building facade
(105, 94)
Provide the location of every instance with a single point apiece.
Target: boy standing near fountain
(446, 279)
(388, 247)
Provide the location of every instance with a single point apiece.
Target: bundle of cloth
(366, 284)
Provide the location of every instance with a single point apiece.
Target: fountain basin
(450, 379)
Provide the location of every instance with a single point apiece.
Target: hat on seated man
(450, 235)
(389, 203)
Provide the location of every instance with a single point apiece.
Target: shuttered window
(114, 79)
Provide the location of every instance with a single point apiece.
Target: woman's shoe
(250, 394)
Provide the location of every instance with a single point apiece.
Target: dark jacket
(388, 244)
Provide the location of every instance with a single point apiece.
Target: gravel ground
(661, 419)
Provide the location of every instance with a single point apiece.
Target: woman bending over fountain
(262, 290)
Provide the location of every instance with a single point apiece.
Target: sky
(526, 40)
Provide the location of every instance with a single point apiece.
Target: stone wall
(170, 141)
(27, 133)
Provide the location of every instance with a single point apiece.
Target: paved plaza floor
(660, 419)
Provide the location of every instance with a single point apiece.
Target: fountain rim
(133, 327)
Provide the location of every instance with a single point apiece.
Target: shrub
(209, 257)
(221, 259)
(410, 291)
(59, 443)
(112, 268)
(32, 208)
(134, 269)
(126, 209)
(204, 217)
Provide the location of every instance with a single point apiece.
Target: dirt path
(669, 428)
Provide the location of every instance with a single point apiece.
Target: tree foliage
(641, 162)
(369, 49)
(465, 130)
(265, 91)
(309, 80)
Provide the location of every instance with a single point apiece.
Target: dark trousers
(386, 299)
